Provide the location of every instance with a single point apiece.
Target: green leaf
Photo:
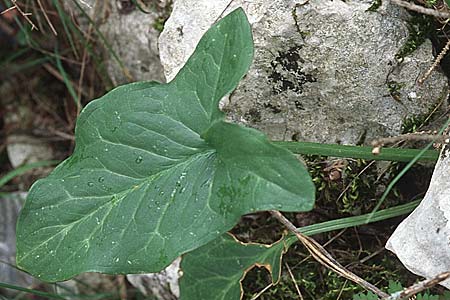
(427, 296)
(447, 2)
(215, 271)
(365, 296)
(157, 173)
(394, 286)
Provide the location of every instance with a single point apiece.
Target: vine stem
(324, 257)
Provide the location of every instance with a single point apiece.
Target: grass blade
(31, 291)
(66, 79)
(125, 71)
(25, 168)
(355, 221)
(358, 152)
(405, 169)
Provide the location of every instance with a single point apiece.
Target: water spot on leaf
(101, 179)
(138, 159)
(90, 184)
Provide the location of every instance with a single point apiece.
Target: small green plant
(157, 173)
(393, 288)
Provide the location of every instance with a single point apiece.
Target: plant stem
(357, 152)
(323, 257)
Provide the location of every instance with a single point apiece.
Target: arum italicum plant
(157, 173)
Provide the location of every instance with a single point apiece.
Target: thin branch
(8, 9)
(435, 63)
(416, 137)
(421, 9)
(323, 257)
(262, 291)
(47, 18)
(418, 287)
(24, 14)
(300, 296)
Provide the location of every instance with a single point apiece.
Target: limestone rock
(131, 35)
(24, 149)
(422, 241)
(323, 70)
(10, 205)
(162, 285)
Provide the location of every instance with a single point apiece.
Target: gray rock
(10, 205)
(422, 241)
(323, 70)
(24, 149)
(162, 285)
(131, 35)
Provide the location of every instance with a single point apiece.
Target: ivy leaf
(216, 270)
(156, 172)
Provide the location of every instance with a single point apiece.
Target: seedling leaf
(156, 172)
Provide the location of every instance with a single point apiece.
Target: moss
(364, 189)
(375, 5)
(394, 89)
(319, 283)
(414, 123)
(159, 23)
(420, 28)
(303, 34)
(163, 15)
(430, 3)
(348, 187)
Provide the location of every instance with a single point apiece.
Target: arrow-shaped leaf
(215, 271)
(157, 173)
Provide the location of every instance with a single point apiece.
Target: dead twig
(323, 257)
(379, 143)
(300, 296)
(435, 63)
(418, 287)
(47, 18)
(421, 9)
(262, 291)
(8, 9)
(24, 14)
